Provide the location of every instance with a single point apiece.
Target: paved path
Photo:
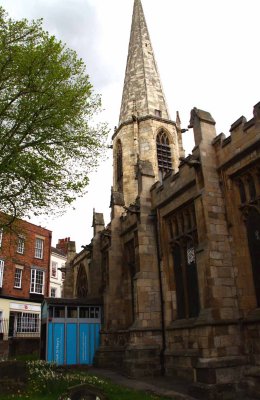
(162, 386)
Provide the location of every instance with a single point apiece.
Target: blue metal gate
(72, 334)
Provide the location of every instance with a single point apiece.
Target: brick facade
(25, 259)
(8, 252)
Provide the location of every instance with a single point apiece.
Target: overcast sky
(207, 53)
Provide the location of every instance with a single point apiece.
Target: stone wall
(138, 141)
(218, 350)
(24, 346)
(4, 349)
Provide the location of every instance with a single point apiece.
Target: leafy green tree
(48, 145)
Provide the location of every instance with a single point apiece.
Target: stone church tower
(177, 267)
(147, 146)
(145, 131)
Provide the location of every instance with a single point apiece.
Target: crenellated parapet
(243, 142)
(174, 185)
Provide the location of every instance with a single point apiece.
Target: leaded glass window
(163, 154)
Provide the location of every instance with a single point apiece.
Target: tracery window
(183, 241)
(251, 187)
(82, 282)
(253, 236)
(248, 184)
(163, 154)
(119, 166)
(242, 191)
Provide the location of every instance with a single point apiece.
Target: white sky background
(207, 53)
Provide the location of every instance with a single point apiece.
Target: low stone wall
(4, 350)
(13, 376)
(24, 346)
(135, 352)
(83, 392)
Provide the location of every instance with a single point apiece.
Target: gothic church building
(178, 266)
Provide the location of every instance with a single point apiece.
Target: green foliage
(47, 382)
(47, 143)
(26, 357)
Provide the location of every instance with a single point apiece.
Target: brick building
(24, 282)
(57, 267)
(178, 265)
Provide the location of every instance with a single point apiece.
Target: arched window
(119, 166)
(171, 232)
(186, 279)
(185, 273)
(251, 187)
(192, 280)
(188, 219)
(242, 191)
(176, 227)
(82, 282)
(179, 281)
(253, 236)
(181, 223)
(163, 154)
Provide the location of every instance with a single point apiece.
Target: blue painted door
(56, 343)
(72, 343)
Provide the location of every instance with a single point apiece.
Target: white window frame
(54, 265)
(38, 250)
(18, 277)
(27, 323)
(53, 289)
(34, 285)
(20, 245)
(2, 265)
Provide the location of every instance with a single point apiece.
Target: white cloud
(207, 54)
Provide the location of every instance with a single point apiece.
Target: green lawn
(116, 393)
(46, 382)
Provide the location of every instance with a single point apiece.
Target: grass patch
(27, 357)
(47, 382)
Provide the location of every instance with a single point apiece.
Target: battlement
(243, 135)
(244, 139)
(175, 185)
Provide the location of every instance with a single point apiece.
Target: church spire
(142, 93)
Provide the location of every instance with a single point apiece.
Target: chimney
(62, 245)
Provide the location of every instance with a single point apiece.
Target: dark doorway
(11, 324)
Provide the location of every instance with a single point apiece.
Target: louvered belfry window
(163, 154)
(119, 164)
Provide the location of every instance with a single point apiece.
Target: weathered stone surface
(177, 272)
(142, 93)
